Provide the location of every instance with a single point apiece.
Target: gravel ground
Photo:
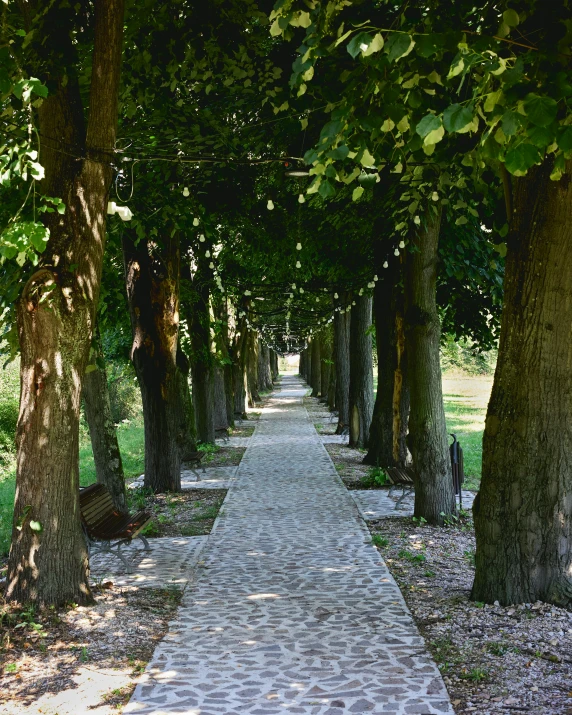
(493, 659)
(80, 659)
(188, 513)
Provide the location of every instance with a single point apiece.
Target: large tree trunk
(302, 364)
(56, 313)
(152, 283)
(523, 515)
(264, 376)
(434, 492)
(316, 383)
(326, 360)
(342, 363)
(309, 362)
(332, 385)
(238, 356)
(361, 372)
(274, 365)
(387, 435)
(187, 434)
(102, 432)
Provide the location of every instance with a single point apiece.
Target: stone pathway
(292, 610)
(211, 478)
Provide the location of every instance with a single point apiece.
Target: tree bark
(309, 362)
(332, 385)
(202, 359)
(316, 383)
(434, 493)
(187, 434)
(222, 342)
(152, 283)
(48, 561)
(252, 368)
(238, 357)
(264, 376)
(219, 396)
(102, 432)
(326, 360)
(342, 362)
(523, 514)
(387, 436)
(361, 372)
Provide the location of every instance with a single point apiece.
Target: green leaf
(520, 159)
(357, 192)
(326, 190)
(339, 153)
(564, 138)
(399, 45)
(367, 179)
(511, 123)
(541, 137)
(374, 46)
(367, 159)
(355, 44)
(429, 123)
(540, 110)
(457, 118)
(426, 45)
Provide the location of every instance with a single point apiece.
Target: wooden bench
(193, 459)
(400, 478)
(106, 529)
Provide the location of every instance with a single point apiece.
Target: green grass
(131, 444)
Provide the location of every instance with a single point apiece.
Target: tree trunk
(302, 364)
(238, 356)
(264, 376)
(361, 372)
(523, 514)
(316, 383)
(309, 362)
(48, 561)
(342, 362)
(152, 283)
(252, 368)
(187, 434)
(219, 396)
(223, 353)
(326, 356)
(434, 493)
(102, 432)
(387, 435)
(332, 385)
(274, 365)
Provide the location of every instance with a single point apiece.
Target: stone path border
(292, 610)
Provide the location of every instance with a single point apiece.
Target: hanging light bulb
(202, 238)
(298, 264)
(186, 192)
(401, 244)
(298, 246)
(386, 264)
(301, 290)
(270, 205)
(336, 296)
(301, 199)
(207, 254)
(375, 278)
(196, 221)
(211, 265)
(396, 252)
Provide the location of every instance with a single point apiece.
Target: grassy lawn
(130, 438)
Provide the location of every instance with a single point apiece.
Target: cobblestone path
(293, 610)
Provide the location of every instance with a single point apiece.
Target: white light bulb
(301, 290)
(396, 252)
(211, 265)
(270, 205)
(298, 264)
(186, 192)
(298, 246)
(207, 254)
(386, 264)
(196, 221)
(401, 244)
(301, 199)
(202, 238)
(335, 296)
(375, 278)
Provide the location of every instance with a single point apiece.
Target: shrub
(124, 391)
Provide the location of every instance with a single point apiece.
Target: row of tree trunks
(152, 283)
(361, 372)
(316, 368)
(48, 561)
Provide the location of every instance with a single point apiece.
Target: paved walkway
(293, 610)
